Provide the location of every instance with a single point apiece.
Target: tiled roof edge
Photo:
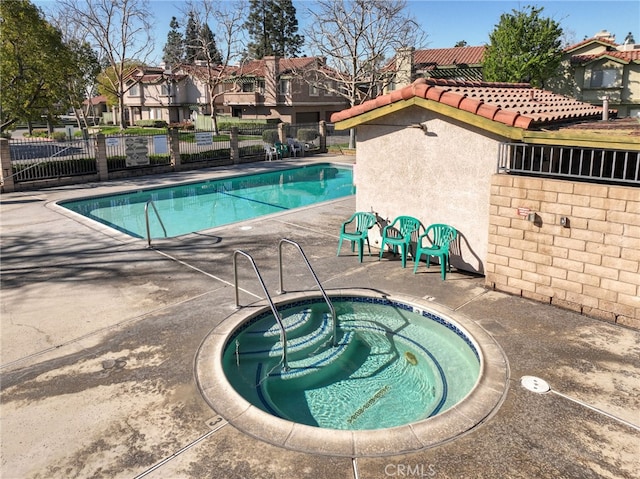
(430, 89)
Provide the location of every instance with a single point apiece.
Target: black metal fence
(127, 151)
(582, 164)
(40, 158)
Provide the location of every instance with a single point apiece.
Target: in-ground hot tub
(399, 375)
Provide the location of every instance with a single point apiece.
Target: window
(313, 89)
(134, 90)
(247, 87)
(164, 89)
(285, 87)
(604, 78)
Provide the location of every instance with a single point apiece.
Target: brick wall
(592, 266)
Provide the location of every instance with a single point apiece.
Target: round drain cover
(535, 384)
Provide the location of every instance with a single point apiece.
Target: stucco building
(560, 223)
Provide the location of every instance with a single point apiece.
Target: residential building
(457, 63)
(599, 70)
(271, 88)
(294, 90)
(157, 93)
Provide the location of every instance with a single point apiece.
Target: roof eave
(510, 132)
(513, 133)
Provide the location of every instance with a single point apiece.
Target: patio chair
(398, 235)
(358, 225)
(294, 147)
(270, 152)
(440, 236)
(282, 149)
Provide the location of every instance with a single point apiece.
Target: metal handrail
(146, 217)
(283, 333)
(324, 295)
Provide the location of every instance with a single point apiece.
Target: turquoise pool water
(198, 206)
(393, 364)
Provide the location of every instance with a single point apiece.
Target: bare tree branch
(357, 38)
(119, 29)
(226, 19)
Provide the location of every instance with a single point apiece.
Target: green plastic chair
(361, 222)
(398, 234)
(440, 237)
(282, 149)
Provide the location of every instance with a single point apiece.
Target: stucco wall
(441, 176)
(591, 266)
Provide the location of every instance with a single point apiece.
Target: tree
(191, 40)
(461, 43)
(81, 84)
(109, 80)
(214, 57)
(34, 62)
(273, 28)
(85, 67)
(208, 49)
(524, 47)
(357, 38)
(173, 51)
(120, 30)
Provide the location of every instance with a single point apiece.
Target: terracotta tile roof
(443, 57)
(603, 41)
(258, 68)
(627, 56)
(96, 100)
(513, 104)
(449, 56)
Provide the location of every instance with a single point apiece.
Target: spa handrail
(283, 333)
(146, 217)
(324, 295)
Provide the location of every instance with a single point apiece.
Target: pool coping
(477, 407)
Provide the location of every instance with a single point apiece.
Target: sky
(447, 22)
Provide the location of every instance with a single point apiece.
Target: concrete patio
(99, 336)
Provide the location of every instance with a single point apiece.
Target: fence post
(234, 145)
(323, 136)
(101, 157)
(6, 172)
(282, 132)
(174, 148)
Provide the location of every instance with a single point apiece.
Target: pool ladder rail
(146, 217)
(276, 314)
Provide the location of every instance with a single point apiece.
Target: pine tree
(173, 51)
(273, 28)
(200, 43)
(208, 51)
(191, 40)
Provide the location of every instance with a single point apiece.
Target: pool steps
(301, 341)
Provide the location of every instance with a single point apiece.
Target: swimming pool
(199, 206)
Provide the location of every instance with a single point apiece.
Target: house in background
(543, 208)
(158, 93)
(288, 89)
(269, 89)
(457, 63)
(598, 70)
